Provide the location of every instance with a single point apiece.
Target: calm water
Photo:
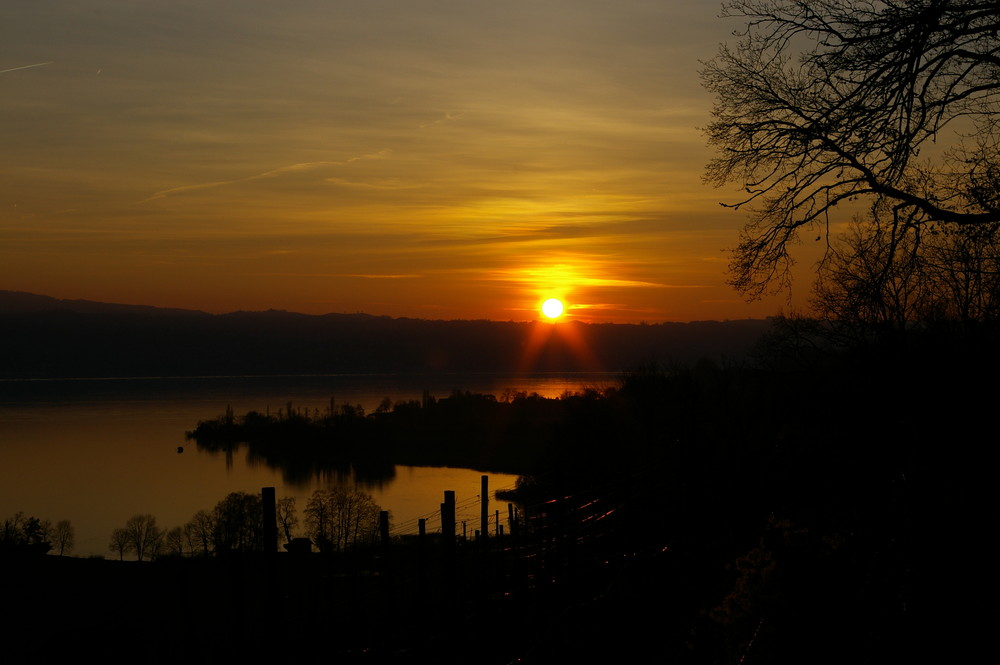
(96, 452)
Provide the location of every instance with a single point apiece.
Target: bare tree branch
(824, 102)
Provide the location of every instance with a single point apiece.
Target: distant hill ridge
(49, 337)
(21, 302)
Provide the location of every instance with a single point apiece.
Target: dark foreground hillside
(402, 606)
(817, 507)
(837, 514)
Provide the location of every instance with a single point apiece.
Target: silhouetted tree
(239, 523)
(873, 280)
(286, 516)
(319, 519)
(25, 534)
(886, 277)
(200, 532)
(63, 537)
(120, 543)
(173, 542)
(963, 266)
(823, 103)
(337, 518)
(144, 536)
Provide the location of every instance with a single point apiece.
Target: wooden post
(448, 535)
(484, 502)
(388, 575)
(448, 517)
(383, 527)
(421, 556)
(270, 519)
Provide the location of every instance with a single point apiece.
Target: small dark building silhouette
(299, 546)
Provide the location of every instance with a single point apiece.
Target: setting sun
(553, 308)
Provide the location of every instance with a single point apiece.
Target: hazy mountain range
(46, 337)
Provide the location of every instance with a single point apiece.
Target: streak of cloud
(291, 168)
(576, 276)
(14, 69)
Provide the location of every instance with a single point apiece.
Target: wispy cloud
(376, 276)
(585, 273)
(14, 69)
(447, 117)
(273, 173)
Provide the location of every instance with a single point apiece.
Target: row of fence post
(448, 519)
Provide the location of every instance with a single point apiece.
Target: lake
(97, 451)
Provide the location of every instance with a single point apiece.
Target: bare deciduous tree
(239, 523)
(873, 280)
(173, 542)
(963, 266)
(63, 537)
(286, 516)
(200, 532)
(120, 542)
(820, 103)
(883, 277)
(338, 518)
(144, 536)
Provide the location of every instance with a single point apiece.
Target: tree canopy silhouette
(878, 279)
(819, 103)
(22, 533)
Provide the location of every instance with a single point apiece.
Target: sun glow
(553, 308)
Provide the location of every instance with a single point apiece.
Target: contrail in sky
(14, 69)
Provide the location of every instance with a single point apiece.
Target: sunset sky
(435, 159)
